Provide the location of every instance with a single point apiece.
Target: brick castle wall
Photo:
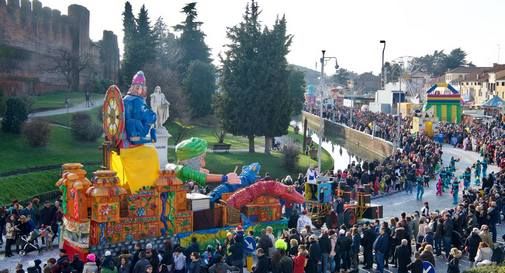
(32, 36)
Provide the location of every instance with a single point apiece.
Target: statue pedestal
(161, 146)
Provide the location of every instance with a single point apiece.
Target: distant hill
(311, 75)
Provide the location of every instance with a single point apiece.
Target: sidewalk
(76, 108)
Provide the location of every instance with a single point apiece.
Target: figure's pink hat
(139, 79)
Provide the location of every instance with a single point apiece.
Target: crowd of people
(405, 242)
(23, 224)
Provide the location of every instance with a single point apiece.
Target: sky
(347, 29)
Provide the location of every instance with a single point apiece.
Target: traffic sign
(249, 244)
(428, 267)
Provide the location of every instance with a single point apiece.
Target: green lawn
(62, 148)
(17, 154)
(55, 100)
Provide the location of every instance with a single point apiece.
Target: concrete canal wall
(350, 136)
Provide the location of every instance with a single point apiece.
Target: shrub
(15, 114)
(37, 132)
(83, 128)
(2, 103)
(291, 154)
(486, 269)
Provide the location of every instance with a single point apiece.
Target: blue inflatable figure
(139, 118)
(247, 177)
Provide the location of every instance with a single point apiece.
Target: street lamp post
(321, 125)
(383, 78)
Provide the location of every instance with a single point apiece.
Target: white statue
(160, 106)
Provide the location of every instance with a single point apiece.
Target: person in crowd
(484, 255)
(51, 262)
(303, 221)
(453, 264)
(380, 247)
(10, 234)
(300, 260)
(417, 265)
(293, 247)
(427, 255)
(367, 242)
(314, 255)
(107, 265)
(194, 266)
(325, 246)
(472, 244)
(179, 261)
(124, 265)
(403, 252)
(281, 263)
(90, 265)
(263, 264)
(220, 266)
(76, 265)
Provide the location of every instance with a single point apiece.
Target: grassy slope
(16, 154)
(62, 148)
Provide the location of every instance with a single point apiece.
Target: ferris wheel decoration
(113, 115)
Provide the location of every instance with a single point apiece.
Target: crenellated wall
(33, 36)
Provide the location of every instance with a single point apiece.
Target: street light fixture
(383, 78)
(321, 126)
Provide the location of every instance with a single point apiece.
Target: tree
(438, 63)
(170, 85)
(393, 71)
(199, 84)
(254, 79)
(144, 39)
(15, 114)
(341, 77)
(192, 41)
(166, 45)
(37, 132)
(130, 29)
(70, 66)
(276, 106)
(296, 87)
(239, 79)
(456, 58)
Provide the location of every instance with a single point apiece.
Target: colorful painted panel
(105, 212)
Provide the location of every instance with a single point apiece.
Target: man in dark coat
(367, 243)
(472, 244)
(325, 246)
(263, 264)
(314, 255)
(265, 242)
(403, 252)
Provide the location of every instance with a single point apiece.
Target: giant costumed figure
(138, 116)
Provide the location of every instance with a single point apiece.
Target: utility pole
(383, 78)
(321, 126)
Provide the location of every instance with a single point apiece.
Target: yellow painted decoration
(443, 115)
(136, 167)
(454, 113)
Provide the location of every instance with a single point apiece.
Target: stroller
(29, 243)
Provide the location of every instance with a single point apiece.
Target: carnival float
(137, 196)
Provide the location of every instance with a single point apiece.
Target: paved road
(74, 109)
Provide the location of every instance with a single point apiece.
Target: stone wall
(32, 36)
(351, 136)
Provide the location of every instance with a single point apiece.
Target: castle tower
(80, 39)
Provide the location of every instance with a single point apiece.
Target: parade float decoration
(446, 106)
(133, 197)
